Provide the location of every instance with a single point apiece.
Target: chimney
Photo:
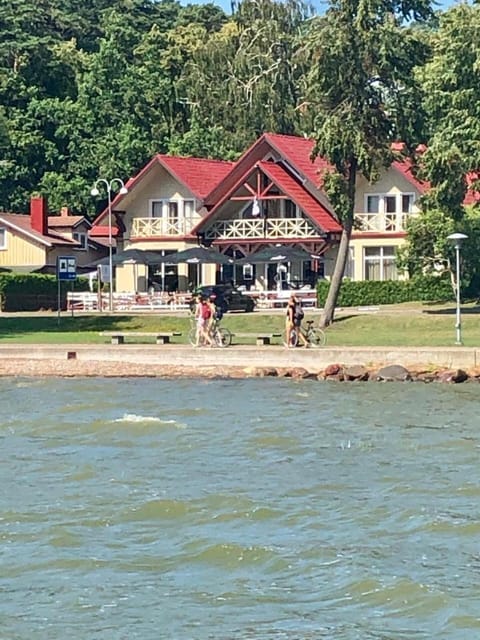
(64, 211)
(39, 214)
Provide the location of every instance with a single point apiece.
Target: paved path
(247, 355)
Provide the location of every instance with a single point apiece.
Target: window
(373, 204)
(389, 203)
(82, 239)
(407, 202)
(290, 209)
(188, 208)
(3, 238)
(379, 263)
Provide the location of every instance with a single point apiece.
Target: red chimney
(39, 214)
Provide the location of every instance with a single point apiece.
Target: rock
(355, 372)
(453, 376)
(300, 372)
(332, 370)
(393, 373)
(266, 372)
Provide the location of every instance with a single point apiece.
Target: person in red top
(203, 313)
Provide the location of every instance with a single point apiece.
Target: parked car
(227, 298)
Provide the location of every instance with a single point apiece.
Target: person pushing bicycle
(294, 319)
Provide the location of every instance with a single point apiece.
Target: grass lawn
(412, 325)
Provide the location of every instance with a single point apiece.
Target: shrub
(34, 291)
(368, 292)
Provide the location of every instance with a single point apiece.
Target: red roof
(300, 196)
(298, 152)
(22, 222)
(102, 231)
(199, 175)
(472, 196)
(65, 221)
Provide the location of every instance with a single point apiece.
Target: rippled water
(252, 509)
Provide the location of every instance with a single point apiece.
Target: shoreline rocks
(333, 372)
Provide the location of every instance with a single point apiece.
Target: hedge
(368, 292)
(35, 291)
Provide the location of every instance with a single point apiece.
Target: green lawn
(399, 326)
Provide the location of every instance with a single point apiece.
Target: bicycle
(221, 336)
(314, 336)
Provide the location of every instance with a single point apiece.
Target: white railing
(273, 228)
(381, 222)
(86, 301)
(151, 227)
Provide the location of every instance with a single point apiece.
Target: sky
(318, 4)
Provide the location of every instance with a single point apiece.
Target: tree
(245, 78)
(364, 96)
(451, 87)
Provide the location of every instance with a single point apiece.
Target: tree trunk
(342, 255)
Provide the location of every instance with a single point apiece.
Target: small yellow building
(33, 242)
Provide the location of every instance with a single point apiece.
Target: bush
(34, 291)
(368, 292)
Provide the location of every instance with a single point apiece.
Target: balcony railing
(152, 227)
(381, 222)
(272, 228)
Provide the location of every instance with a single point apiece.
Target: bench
(261, 339)
(118, 337)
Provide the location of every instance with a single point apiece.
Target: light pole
(95, 192)
(457, 238)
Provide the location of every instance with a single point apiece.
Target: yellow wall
(21, 251)
(158, 184)
(391, 182)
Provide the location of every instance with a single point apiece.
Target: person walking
(294, 319)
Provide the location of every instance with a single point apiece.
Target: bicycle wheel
(290, 338)
(222, 337)
(316, 337)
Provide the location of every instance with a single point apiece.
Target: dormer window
(82, 239)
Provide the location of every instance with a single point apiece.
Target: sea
(258, 509)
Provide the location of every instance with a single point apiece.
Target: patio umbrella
(196, 255)
(132, 256)
(277, 254)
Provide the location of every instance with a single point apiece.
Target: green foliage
(31, 292)
(373, 292)
(363, 93)
(451, 89)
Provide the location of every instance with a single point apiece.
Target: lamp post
(95, 192)
(457, 239)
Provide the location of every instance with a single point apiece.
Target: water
(245, 509)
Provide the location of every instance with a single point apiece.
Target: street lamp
(457, 238)
(95, 192)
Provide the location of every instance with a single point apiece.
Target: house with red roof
(272, 195)
(32, 242)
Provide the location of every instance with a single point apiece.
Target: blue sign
(66, 268)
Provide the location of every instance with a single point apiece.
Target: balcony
(160, 227)
(254, 228)
(381, 222)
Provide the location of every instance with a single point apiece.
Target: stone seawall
(347, 365)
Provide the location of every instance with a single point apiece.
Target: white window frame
(393, 220)
(3, 239)
(381, 257)
(181, 208)
(82, 237)
(382, 198)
